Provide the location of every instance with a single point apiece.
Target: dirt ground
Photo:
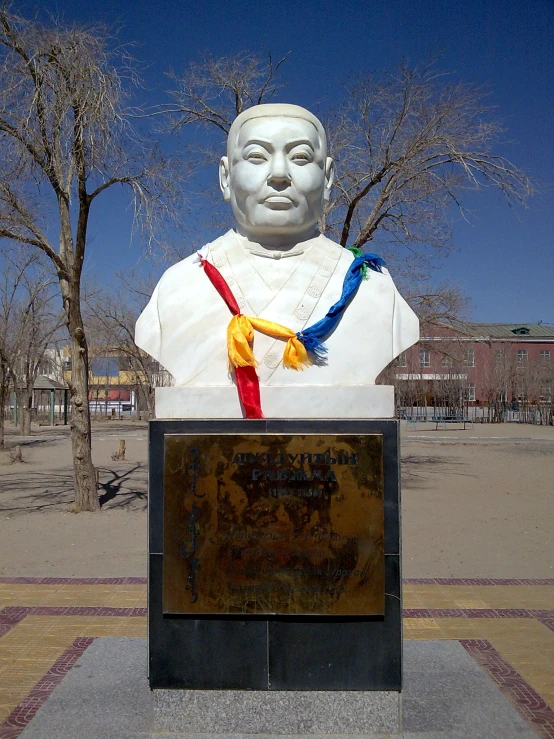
(475, 503)
(478, 503)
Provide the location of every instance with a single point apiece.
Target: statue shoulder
(347, 257)
(178, 271)
(331, 247)
(188, 269)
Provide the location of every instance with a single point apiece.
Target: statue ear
(224, 179)
(329, 177)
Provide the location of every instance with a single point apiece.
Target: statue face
(277, 179)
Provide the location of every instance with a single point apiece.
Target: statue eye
(301, 156)
(256, 156)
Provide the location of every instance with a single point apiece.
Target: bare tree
(408, 145)
(65, 139)
(111, 316)
(36, 323)
(545, 390)
(210, 94)
(214, 91)
(441, 305)
(532, 383)
(520, 384)
(13, 272)
(498, 381)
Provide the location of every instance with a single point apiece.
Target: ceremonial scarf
(301, 347)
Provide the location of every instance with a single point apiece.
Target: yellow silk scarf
(240, 334)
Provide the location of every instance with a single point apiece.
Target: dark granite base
(446, 695)
(267, 652)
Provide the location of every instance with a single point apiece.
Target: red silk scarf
(248, 385)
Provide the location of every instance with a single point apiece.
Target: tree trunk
(151, 401)
(4, 390)
(26, 403)
(86, 492)
(20, 400)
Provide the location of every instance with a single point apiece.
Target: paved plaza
(46, 625)
(504, 622)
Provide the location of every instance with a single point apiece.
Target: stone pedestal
(446, 695)
(280, 713)
(300, 673)
(278, 401)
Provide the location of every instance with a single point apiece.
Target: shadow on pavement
(25, 490)
(115, 489)
(416, 470)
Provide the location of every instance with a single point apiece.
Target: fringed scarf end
(313, 345)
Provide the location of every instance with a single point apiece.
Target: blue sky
(505, 258)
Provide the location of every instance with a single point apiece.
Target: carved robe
(185, 323)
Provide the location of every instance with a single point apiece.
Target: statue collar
(259, 251)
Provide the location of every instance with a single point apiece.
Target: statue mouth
(278, 202)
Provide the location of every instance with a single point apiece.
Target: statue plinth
(274, 577)
(278, 401)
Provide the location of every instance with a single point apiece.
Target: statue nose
(279, 172)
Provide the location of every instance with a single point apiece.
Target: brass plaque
(273, 524)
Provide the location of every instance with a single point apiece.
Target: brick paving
(47, 623)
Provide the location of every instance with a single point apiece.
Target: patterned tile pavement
(46, 624)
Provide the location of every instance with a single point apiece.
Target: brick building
(494, 365)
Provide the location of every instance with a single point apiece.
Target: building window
(522, 356)
(401, 360)
(471, 393)
(546, 393)
(424, 358)
(446, 361)
(469, 358)
(499, 356)
(545, 356)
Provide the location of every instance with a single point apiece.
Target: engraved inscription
(273, 524)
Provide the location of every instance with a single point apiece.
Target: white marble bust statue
(276, 176)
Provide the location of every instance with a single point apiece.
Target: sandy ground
(478, 503)
(475, 503)
(39, 536)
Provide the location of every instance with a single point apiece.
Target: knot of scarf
(240, 334)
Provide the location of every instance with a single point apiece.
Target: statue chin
(275, 228)
(284, 237)
(277, 182)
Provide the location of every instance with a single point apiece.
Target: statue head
(276, 174)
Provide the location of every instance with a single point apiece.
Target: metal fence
(538, 415)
